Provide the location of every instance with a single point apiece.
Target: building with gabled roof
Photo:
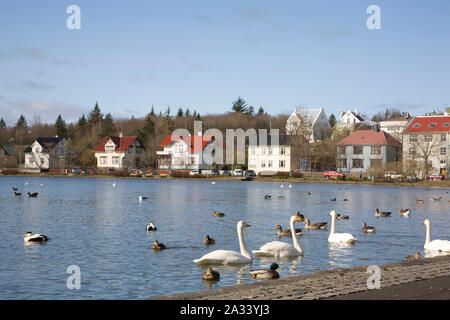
(45, 153)
(366, 148)
(426, 142)
(348, 120)
(119, 152)
(311, 122)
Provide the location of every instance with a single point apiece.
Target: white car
(194, 172)
(237, 173)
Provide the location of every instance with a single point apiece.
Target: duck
(287, 232)
(420, 200)
(436, 198)
(229, 257)
(333, 199)
(16, 194)
(265, 274)
(290, 186)
(435, 245)
(417, 256)
(32, 195)
(267, 196)
(308, 193)
(151, 226)
(14, 188)
(218, 214)
(345, 199)
(158, 246)
(29, 237)
(315, 226)
(382, 213)
(280, 197)
(342, 217)
(281, 186)
(338, 237)
(211, 275)
(281, 249)
(368, 229)
(142, 198)
(404, 212)
(209, 240)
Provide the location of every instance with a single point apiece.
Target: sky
(130, 55)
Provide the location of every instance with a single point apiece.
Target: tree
(260, 111)
(82, 123)
(61, 128)
(250, 111)
(180, 112)
(2, 123)
(146, 130)
(187, 113)
(198, 118)
(107, 125)
(152, 112)
(332, 120)
(240, 105)
(21, 122)
(95, 116)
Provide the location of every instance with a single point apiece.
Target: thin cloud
(29, 85)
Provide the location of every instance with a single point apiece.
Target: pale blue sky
(201, 54)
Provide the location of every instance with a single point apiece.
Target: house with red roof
(119, 152)
(366, 148)
(426, 145)
(184, 152)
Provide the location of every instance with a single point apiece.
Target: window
(443, 151)
(269, 149)
(263, 163)
(103, 160)
(252, 151)
(357, 150)
(442, 163)
(412, 151)
(375, 150)
(341, 150)
(432, 125)
(252, 163)
(282, 150)
(263, 151)
(270, 163)
(416, 125)
(282, 163)
(443, 137)
(342, 163)
(412, 137)
(109, 148)
(358, 163)
(115, 160)
(428, 137)
(445, 125)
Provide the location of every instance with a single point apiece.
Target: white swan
(338, 237)
(435, 245)
(229, 256)
(281, 249)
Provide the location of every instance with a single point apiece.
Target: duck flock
(273, 249)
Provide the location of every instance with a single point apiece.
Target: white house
(272, 157)
(119, 152)
(45, 153)
(310, 123)
(395, 127)
(348, 120)
(426, 142)
(183, 152)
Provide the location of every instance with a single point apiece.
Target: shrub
(178, 174)
(10, 171)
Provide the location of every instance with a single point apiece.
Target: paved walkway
(403, 280)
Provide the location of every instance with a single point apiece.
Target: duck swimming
(404, 213)
(368, 229)
(209, 240)
(267, 196)
(287, 232)
(151, 226)
(218, 214)
(158, 246)
(265, 274)
(29, 237)
(381, 213)
(315, 226)
(32, 195)
(211, 275)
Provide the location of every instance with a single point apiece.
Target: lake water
(102, 230)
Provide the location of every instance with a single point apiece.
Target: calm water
(101, 229)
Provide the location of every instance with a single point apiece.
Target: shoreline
(429, 184)
(415, 279)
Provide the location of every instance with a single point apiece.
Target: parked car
(84, 171)
(433, 176)
(393, 176)
(215, 172)
(250, 174)
(75, 170)
(135, 173)
(92, 171)
(412, 179)
(333, 174)
(226, 173)
(194, 172)
(237, 173)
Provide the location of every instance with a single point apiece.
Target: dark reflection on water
(102, 229)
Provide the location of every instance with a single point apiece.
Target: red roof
(197, 142)
(429, 124)
(122, 143)
(369, 137)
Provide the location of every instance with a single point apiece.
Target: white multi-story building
(394, 127)
(348, 120)
(310, 123)
(45, 153)
(119, 152)
(426, 142)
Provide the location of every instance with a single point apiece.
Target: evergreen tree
(95, 116)
(198, 118)
(152, 112)
(250, 111)
(107, 125)
(22, 122)
(167, 123)
(332, 120)
(187, 113)
(61, 128)
(146, 130)
(82, 122)
(2, 123)
(260, 111)
(180, 113)
(240, 106)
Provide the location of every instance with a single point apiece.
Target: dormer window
(417, 125)
(109, 148)
(431, 125)
(445, 125)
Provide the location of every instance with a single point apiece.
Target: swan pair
(275, 248)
